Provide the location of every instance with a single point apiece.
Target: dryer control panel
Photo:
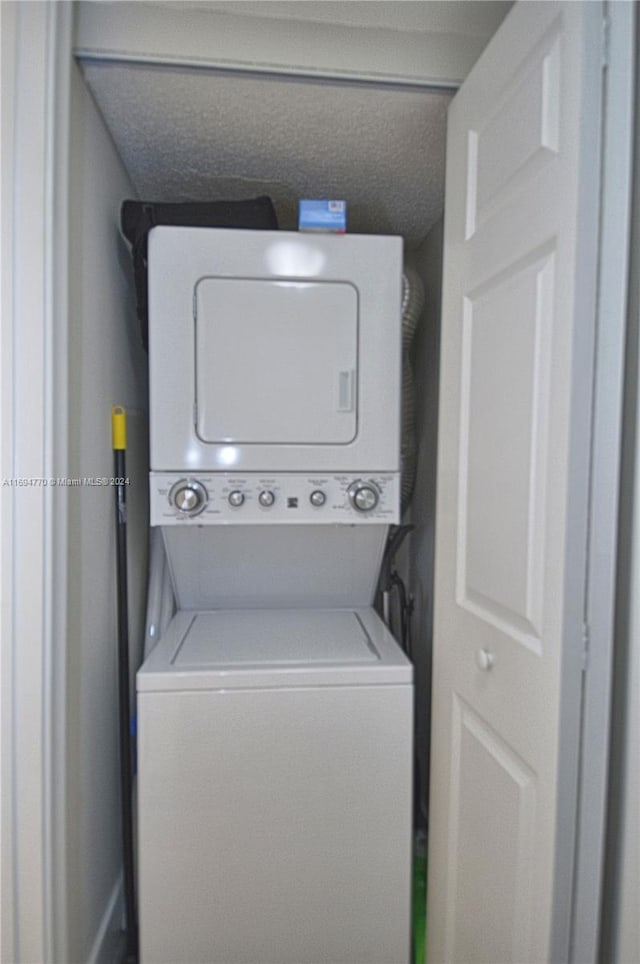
(214, 498)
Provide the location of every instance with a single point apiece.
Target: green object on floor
(419, 899)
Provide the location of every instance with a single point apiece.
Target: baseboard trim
(109, 934)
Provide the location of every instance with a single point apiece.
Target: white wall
(621, 923)
(626, 909)
(627, 918)
(428, 261)
(621, 913)
(106, 367)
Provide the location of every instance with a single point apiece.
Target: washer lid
(274, 647)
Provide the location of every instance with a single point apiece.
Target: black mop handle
(119, 436)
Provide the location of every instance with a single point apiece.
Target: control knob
(363, 496)
(188, 496)
(266, 498)
(236, 498)
(317, 498)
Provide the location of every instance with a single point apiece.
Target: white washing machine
(275, 787)
(275, 714)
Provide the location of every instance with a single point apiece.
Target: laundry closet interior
(159, 114)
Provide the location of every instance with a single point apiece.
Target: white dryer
(275, 786)
(272, 351)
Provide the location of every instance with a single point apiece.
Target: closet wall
(106, 367)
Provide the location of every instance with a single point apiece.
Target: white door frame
(619, 31)
(36, 47)
(37, 57)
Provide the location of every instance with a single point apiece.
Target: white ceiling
(193, 133)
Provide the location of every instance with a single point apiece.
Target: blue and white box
(322, 215)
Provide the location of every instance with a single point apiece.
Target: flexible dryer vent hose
(412, 304)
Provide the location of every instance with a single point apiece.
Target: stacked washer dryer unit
(275, 714)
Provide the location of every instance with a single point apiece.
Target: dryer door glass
(276, 361)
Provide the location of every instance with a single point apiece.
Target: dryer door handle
(345, 390)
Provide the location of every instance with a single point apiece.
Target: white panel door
(517, 347)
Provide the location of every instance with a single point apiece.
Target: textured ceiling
(186, 134)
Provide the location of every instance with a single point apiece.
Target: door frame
(37, 54)
(618, 41)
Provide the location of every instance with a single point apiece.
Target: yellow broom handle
(119, 428)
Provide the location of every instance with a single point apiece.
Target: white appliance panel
(276, 826)
(276, 362)
(264, 499)
(243, 377)
(249, 567)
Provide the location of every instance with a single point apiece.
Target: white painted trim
(191, 37)
(34, 553)
(8, 14)
(57, 426)
(110, 927)
(31, 940)
(605, 475)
